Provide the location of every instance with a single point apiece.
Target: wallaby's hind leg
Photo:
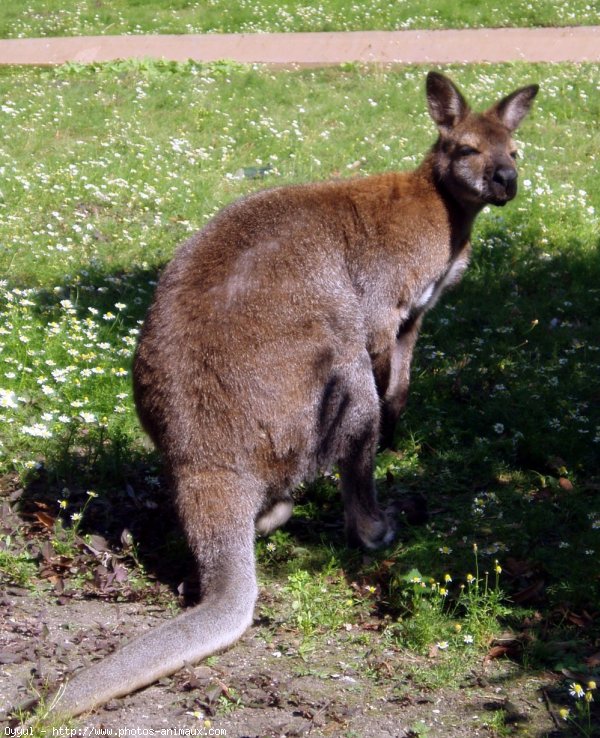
(220, 511)
(367, 524)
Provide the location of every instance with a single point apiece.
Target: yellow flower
(447, 578)
(564, 713)
(589, 697)
(470, 578)
(591, 685)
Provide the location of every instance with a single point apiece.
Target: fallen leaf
(192, 681)
(126, 538)
(213, 693)
(593, 660)
(47, 551)
(97, 544)
(121, 573)
(100, 575)
(506, 640)
(202, 672)
(583, 620)
(530, 594)
(46, 520)
(58, 583)
(495, 653)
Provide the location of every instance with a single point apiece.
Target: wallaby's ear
(447, 106)
(512, 109)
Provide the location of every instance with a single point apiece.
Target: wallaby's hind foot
(274, 517)
(370, 530)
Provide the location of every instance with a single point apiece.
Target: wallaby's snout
(503, 186)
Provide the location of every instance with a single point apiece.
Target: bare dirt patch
(352, 685)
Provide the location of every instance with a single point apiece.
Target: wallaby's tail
(220, 527)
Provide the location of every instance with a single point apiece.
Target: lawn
(30, 18)
(106, 169)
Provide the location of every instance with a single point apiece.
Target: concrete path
(574, 44)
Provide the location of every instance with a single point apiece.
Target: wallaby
(279, 343)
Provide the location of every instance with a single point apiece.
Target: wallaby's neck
(461, 213)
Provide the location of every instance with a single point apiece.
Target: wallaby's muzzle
(503, 185)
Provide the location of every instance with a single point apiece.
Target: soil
(262, 686)
(93, 592)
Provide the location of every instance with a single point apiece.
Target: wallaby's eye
(514, 154)
(467, 151)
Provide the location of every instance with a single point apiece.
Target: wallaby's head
(474, 157)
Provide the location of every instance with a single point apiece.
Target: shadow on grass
(504, 422)
(133, 514)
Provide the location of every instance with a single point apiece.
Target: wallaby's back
(254, 313)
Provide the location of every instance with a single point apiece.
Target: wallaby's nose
(505, 176)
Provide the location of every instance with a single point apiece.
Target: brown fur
(279, 343)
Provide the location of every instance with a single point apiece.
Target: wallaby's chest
(434, 289)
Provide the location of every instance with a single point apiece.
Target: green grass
(105, 169)
(27, 18)
(15, 567)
